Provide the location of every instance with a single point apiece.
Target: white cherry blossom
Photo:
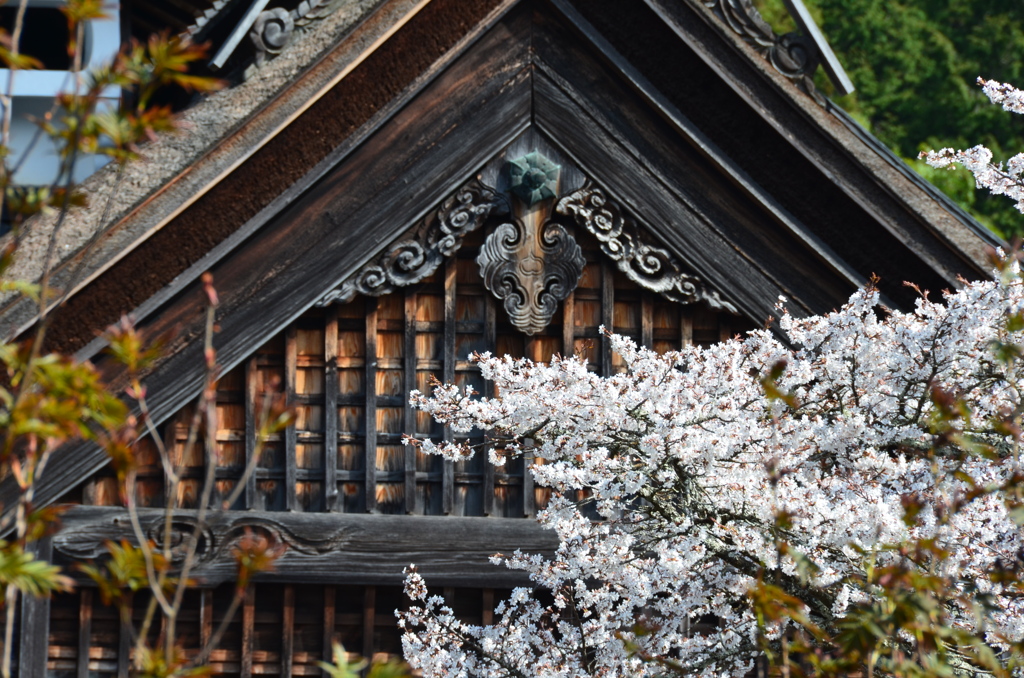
(688, 463)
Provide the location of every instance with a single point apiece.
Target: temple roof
(701, 126)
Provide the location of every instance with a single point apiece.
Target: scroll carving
(531, 270)
(275, 29)
(791, 54)
(643, 262)
(438, 235)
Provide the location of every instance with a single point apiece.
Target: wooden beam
(330, 598)
(84, 632)
(331, 411)
(409, 384)
(370, 410)
(327, 548)
(290, 434)
(288, 630)
(35, 623)
(251, 498)
(450, 276)
(248, 630)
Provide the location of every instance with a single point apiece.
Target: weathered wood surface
(718, 227)
(786, 142)
(462, 119)
(35, 624)
(324, 548)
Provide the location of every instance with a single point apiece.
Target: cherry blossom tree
(1001, 179)
(852, 503)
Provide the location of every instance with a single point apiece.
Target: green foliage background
(915, 64)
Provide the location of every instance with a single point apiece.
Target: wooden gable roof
(752, 185)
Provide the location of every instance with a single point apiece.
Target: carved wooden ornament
(413, 258)
(643, 262)
(531, 264)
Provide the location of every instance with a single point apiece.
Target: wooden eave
(441, 93)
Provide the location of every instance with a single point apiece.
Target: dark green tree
(915, 64)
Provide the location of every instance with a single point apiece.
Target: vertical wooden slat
(205, 618)
(408, 414)
(448, 481)
(290, 360)
(89, 493)
(209, 459)
(647, 321)
(84, 632)
(248, 630)
(250, 432)
(331, 410)
(607, 316)
(490, 342)
(371, 404)
(569, 325)
(369, 619)
(288, 630)
(170, 434)
(487, 613)
(124, 641)
(35, 622)
(529, 495)
(330, 595)
(724, 328)
(685, 328)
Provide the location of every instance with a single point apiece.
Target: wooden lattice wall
(423, 332)
(345, 453)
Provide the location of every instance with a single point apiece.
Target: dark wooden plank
(685, 327)
(331, 411)
(248, 630)
(330, 601)
(370, 409)
(450, 274)
(529, 491)
(288, 630)
(607, 316)
(278, 273)
(724, 328)
(568, 325)
(647, 320)
(329, 548)
(251, 496)
(490, 341)
(35, 622)
(84, 632)
(124, 641)
(409, 384)
(290, 437)
(690, 228)
(487, 605)
(732, 187)
(369, 619)
(205, 618)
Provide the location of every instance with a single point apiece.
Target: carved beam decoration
(792, 54)
(531, 264)
(643, 262)
(413, 258)
(319, 548)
